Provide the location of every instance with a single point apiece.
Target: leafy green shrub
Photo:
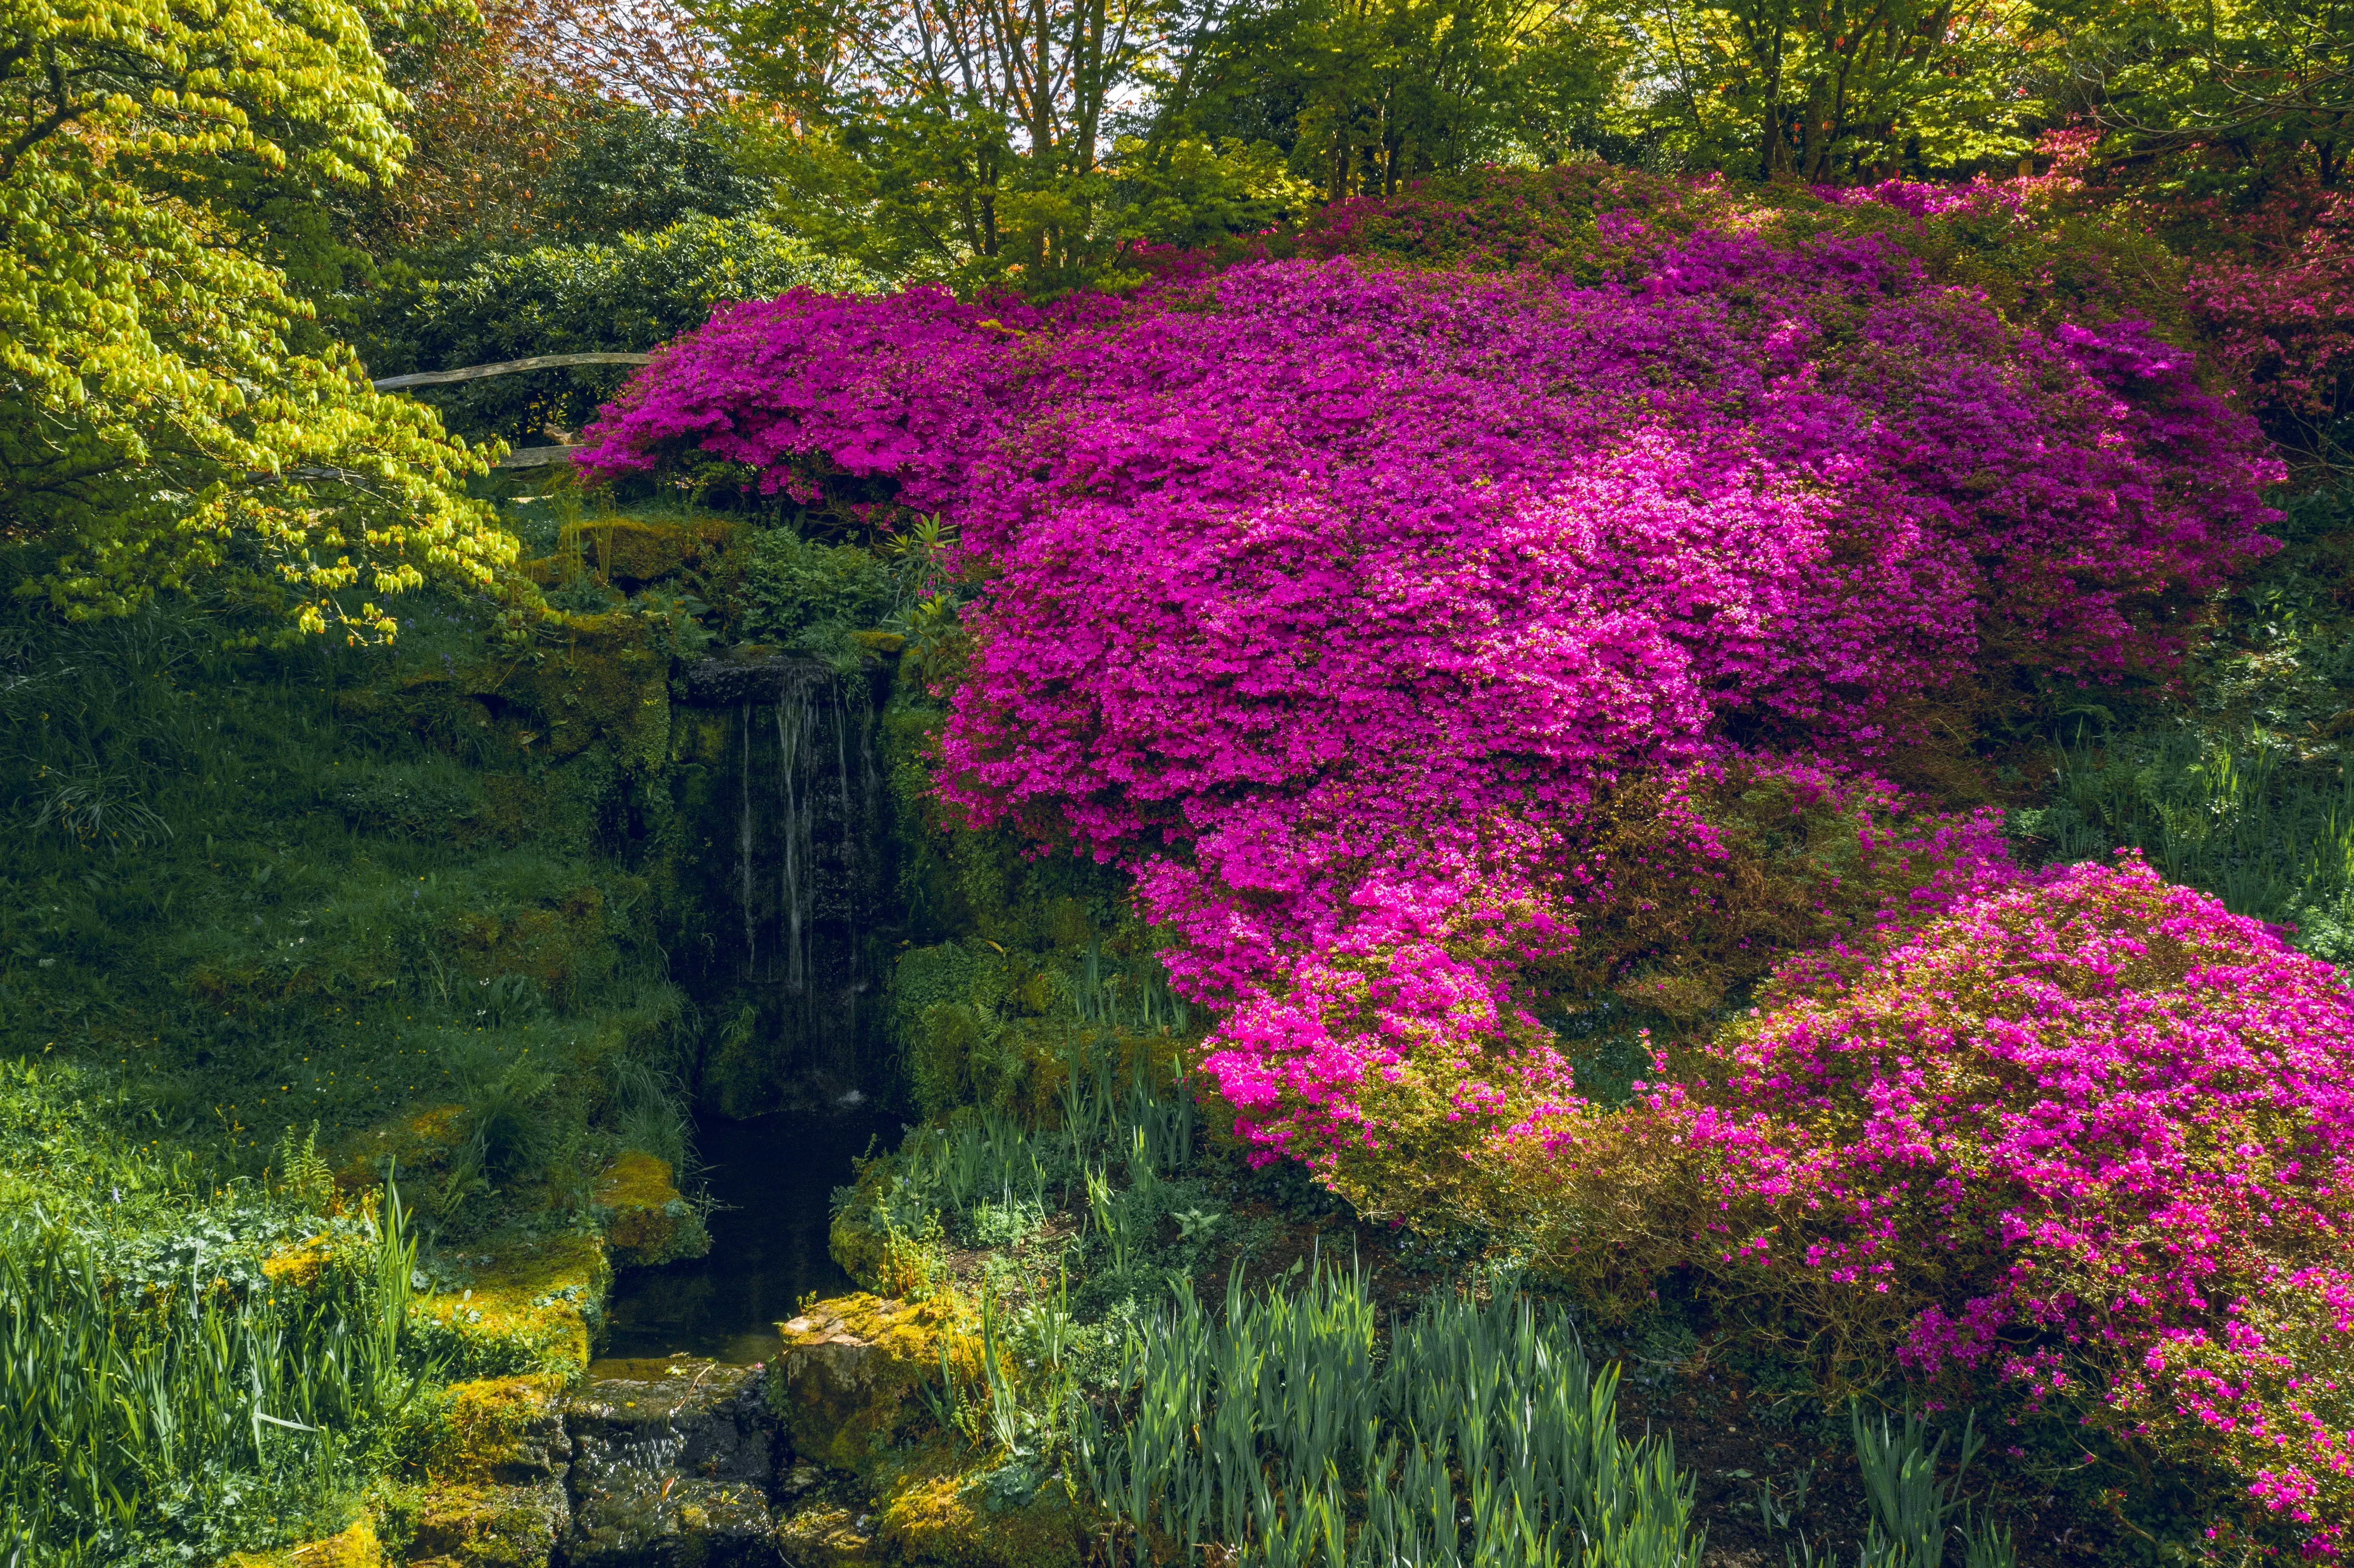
(803, 595)
(503, 1129)
(1117, 1144)
(633, 293)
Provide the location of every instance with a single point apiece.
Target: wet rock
(672, 1466)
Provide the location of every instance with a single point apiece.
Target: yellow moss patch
(489, 1526)
(646, 1221)
(934, 1511)
(525, 1312)
(636, 1180)
(420, 1143)
(355, 1548)
(488, 1428)
(826, 1535)
(301, 1266)
(628, 550)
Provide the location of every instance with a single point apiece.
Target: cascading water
(808, 872)
(786, 958)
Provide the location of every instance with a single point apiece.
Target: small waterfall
(805, 874)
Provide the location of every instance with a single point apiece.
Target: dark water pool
(773, 1176)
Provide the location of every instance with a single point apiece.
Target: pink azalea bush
(1411, 1035)
(2280, 307)
(2087, 1126)
(1329, 598)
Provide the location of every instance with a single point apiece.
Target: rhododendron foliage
(1328, 598)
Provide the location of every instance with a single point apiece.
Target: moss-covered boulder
(504, 1429)
(630, 552)
(935, 1508)
(846, 1381)
(848, 1385)
(495, 1453)
(828, 1534)
(530, 1309)
(413, 1146)
(646, 1221)
(489, 1525)
(597, 677)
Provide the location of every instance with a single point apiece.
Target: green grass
(2237, 781)
(2268, 833)
(1284, 1427)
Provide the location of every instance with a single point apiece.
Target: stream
(773, 1179)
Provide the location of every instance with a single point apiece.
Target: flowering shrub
(1412, 1030)
(2094, 1126)
(1333, 600)
(2281, 308)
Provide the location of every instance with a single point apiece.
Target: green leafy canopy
(156, 421)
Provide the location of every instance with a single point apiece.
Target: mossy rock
(937, 1509)
(587, 678)
(508, 1430)
(646, 1221)
(846, 1381)
(531, 1310)
(489, 1525)
(564, 940)
(304, 1266)
(601, 678)
(630, 552)
(418, 1143)
(355, 1547)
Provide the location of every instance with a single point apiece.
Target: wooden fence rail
(524, 457)
(506, 367)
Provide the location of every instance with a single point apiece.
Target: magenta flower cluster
(1326, 597)
(2111, 1122)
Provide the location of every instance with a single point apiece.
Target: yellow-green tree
(165, 421)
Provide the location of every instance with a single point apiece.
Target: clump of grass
(647, 1116)
(1284, 1429)
(131, 1415)
(1105, 1117)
